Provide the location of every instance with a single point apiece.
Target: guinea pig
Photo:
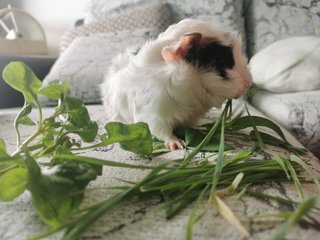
(175, 79)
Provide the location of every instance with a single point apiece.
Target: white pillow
(288, 65)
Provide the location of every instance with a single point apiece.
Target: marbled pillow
(298, 112)
(271, 20)
(86, 60)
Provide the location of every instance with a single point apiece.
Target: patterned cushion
(150, 15)
(228, 14)
(298, 112)
(271, 20)
(87, 59)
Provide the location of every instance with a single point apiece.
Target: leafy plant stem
(40, 112)
(27, 141)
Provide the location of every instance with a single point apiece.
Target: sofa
(260, 23)
(112, 26)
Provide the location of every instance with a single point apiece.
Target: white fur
(145, 88)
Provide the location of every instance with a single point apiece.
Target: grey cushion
(298, 112)
(92, 47)
(87, 59)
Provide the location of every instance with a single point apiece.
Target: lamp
(21, 33)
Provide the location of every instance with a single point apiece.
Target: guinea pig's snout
(247, 83)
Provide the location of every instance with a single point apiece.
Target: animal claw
(175, 143)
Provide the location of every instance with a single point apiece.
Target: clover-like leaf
(58, 192)
(13, 183)
(55, 89)
(3, 149)
(20, 77)
(76, 119)
(131, 137)
(23, 118)
(193, 137)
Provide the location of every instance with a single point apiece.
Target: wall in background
(55, 16)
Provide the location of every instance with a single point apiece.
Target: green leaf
(48, 138)
(76, 228)
(22, 117)
(194, 217)
(58, 192)
(245, 122)
(20, 77)
(3, 149)
(221, 156)
(269, 139)
(282, 163)
(193, 137)
(72, 103)
(13, 183)
(77, 119)
(131, 137)
(55, 89)
(307, 168)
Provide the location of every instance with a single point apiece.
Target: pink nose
(247, 84)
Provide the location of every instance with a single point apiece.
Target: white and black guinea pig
(175, 79)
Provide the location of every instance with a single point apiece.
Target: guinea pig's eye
(220, 61)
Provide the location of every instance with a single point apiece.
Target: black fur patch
(212, 56)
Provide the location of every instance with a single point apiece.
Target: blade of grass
(193, 217)
(295, 179)
(287, 202)
(230, 189)
(227, 213)
(245, 122)
(303, 208)
(76, 228)
(256, 132)
(204, 142)
(298, 160)
(283, 165)
(101, 162)
(221, 155)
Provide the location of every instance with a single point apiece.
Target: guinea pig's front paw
(174, 143)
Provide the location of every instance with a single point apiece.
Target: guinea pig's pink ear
(179, 50)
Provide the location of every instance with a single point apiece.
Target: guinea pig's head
(220, 66)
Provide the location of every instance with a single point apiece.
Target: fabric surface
(271, 20)
(288, 65)
(87, 59)
(88, 50)
(227, 14)
(149, 15)
(298, 112)
(145, 218)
